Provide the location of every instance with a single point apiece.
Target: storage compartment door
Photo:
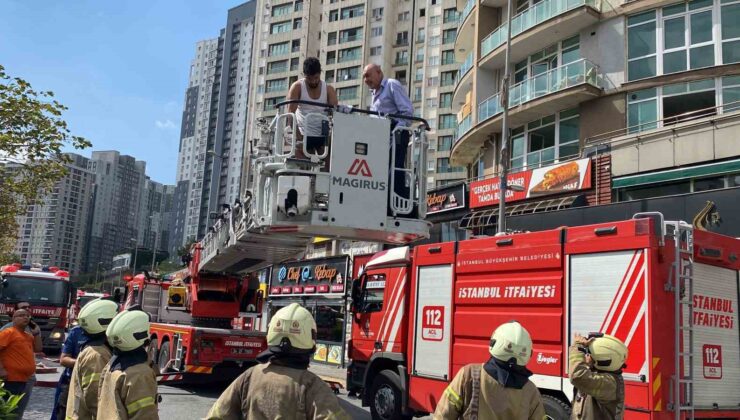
(433, 320)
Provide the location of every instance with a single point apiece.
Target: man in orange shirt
(17, 361)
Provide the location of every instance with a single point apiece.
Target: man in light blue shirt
(390, 97)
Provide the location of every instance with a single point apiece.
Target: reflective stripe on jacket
(82, 401)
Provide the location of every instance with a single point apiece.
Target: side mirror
(356, 293)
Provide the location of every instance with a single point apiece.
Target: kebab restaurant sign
(556, 179)
(324, 276)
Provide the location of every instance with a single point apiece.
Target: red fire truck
(192, 336)
(49, 292)
(668, 291)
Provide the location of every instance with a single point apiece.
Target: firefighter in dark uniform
(281, 385)
(128, 385)
(94, 318)
(499, 389)
(596, 364)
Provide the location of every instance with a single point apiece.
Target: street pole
(504, 155)
(154, 250)
(136, 252)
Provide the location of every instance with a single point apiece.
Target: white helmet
(95, 317)
(511, 341)
(129, 330)
(608, 352)
(295, 324)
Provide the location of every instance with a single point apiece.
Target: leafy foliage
(32, 136)
(8, 403)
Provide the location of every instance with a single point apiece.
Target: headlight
(56, 335)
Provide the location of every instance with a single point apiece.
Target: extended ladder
(682, 285)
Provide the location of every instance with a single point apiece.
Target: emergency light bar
(15, 267)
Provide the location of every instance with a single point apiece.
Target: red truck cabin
(613, 278)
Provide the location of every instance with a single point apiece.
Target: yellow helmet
(95, 317)
(608, 352)
(129, 330)
(296, 325)
(511, 341)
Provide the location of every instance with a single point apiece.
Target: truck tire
(385, 397)
(153, 353)
(555, 408)
(164, 357)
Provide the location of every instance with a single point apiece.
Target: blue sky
(120, 67)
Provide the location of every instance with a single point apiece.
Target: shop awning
(718, 168)
(488, 217)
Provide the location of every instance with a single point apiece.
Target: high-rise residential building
(214, 124)
(155, 213)
(53, 231)
(435, 69)
(114, 226)
(640, 95)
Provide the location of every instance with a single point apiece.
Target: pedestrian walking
(596, 364)
(281, 385)
(94, 318)
(71, 348)
(499, 389)
(17, 360)
(128, 383)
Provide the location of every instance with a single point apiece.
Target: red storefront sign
(556, 179)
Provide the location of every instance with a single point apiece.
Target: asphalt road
(183, 402)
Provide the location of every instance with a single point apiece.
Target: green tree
(9, 258)
(32, 136)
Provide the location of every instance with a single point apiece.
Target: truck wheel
(164, 356)
(385, 397)
(555, 408)
(153, 350)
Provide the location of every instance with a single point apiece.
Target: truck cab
(47, 289)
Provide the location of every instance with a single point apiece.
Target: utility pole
(504, 155)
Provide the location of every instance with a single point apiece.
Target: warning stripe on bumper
(198, 369)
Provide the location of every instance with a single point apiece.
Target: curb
(46, 384)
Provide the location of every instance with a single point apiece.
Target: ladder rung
(685, 302)
(685, 354)
(686, 327)
(686, 381)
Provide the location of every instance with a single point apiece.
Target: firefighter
(128, 384)
(94, 318)
(281, 385)
(596, 364)
(499, 388)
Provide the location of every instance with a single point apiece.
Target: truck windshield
(372, 295)
(84, 300)
(47, 292)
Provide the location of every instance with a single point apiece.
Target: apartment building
(214, 125)
(641, 95)
(54, 230)
(155, 213)
(119, 183)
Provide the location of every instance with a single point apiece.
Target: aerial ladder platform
(337, 185)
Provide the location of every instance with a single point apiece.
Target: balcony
(533, 29)
(544, 94)
(465, 125)
(464, 81)
(465, 31)
(349, 57)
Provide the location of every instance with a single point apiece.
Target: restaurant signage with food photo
(549, 180)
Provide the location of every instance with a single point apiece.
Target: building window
(447, 121)
(349, 73)
(298, 6)
(401, 76)
(347, 93)
(404, 16)
(329, 76)
(279, 49)
(417, 94)
(547, 59)
(402, 38)
(332, 38)
(447, 78)
(546, 140)
(421, 35)
(445, 100)
(375, 51)
(295, 45)
(349, 35)
(434, 20)
(432, 81)
(419, 55)
(402, 58)
(449, 15)
(443, 166)
(682, 37)
(282, 10)
(448, 57)
(297, 23)
(376, 31)
(280, 27)
(331, 57)
(334, 15)
(448, 36)
(353, 12)
(431, 102)
(648, 109)
(277, 67)
(433, 60)
(378, 13)
(349, 54)
(419, 75)
(444, 143)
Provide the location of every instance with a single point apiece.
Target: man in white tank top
(311, 88)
